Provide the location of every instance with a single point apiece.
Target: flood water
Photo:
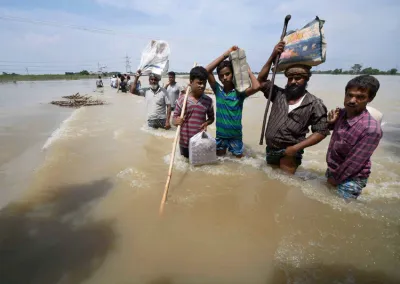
(80, 193)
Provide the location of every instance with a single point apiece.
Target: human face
(198, 87)
(153, 81)
(355, 101)
(296, 79)
(225, 76)
(295, 88)
(171, 79)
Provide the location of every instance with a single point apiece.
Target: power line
(76, 27)
(59, 63)
(98, 30)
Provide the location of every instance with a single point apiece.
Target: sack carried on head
(306, 46)
(155, 58)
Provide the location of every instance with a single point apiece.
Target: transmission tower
(100, 68)
(128, 64)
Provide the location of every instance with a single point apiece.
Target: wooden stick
(171, 163)
(287, 19)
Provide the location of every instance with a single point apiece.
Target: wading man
(356, 134)
(157, 101)
(294, 110)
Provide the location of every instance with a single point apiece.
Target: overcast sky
(365, 32)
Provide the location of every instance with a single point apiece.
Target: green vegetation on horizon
(356, 69)
(7, 77)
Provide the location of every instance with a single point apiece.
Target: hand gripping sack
(155, 58)
(241, 77)
(202, 149)
(306, 46)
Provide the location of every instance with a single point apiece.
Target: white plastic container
(202, 149)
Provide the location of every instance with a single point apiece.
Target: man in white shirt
(173, 89)
(157, 101)
(113, 82)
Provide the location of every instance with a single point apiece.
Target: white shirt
(113, 82)
(173, 93)
(156, 103)
(296, 105)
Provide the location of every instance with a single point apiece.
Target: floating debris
(77, 101)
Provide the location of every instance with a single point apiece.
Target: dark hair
(171, 73)
(99, 77)
(128, 77)
(223, 64)
(198, 72)
(364, 82)
(119, 75)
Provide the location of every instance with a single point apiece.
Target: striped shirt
(290, 128)
(229, 112)
(196, 113)
(352, 144)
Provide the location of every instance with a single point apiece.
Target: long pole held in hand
(171, 164)
(287, 19)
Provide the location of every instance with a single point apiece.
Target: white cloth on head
(375, 114)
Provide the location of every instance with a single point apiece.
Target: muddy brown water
(81, 190)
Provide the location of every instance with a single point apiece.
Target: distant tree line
(357, 69)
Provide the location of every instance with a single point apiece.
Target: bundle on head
(299, 70)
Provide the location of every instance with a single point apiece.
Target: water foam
(133, 176)
(310, 179)
(182, 164)
(63, 129)
(170, 134)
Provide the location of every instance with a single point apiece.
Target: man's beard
(154, 87)
(294, 92)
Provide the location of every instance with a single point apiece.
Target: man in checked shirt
(356, 134)
(294, 110)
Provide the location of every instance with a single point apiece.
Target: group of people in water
(355, 134)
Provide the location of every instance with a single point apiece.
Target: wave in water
(170, 134)
(310, 178)
(63, 130)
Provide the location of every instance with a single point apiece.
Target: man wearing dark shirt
(293, 111)
(356, 134)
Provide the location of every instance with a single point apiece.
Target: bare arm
(133, 89)
(118, 85)
(167, 124)
(210, 118)
(278, 49)
(311, 140)
(168, 104)
(210, 67)
(177, 113)
(255, 85)
(319, 127)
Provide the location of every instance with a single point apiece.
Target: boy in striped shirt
(229, 104)
(199, 111)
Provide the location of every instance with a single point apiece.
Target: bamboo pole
(171, 164)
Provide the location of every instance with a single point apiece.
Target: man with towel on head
(293, 111)
(157, 101)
